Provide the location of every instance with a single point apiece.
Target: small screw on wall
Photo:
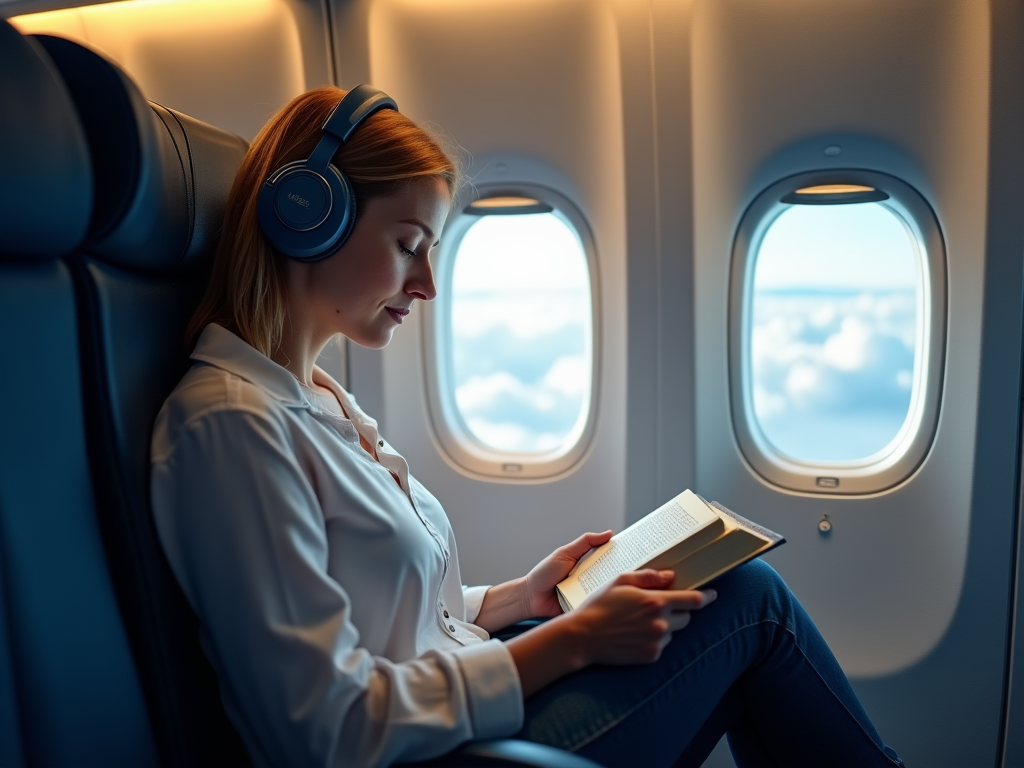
(824, 525)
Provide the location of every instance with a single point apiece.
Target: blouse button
(451, 627)
(446, 614)
(380, 443)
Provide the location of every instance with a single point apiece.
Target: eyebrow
(426, 230)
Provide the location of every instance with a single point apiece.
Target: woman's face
(368, 286)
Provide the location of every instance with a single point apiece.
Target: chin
(372, 341)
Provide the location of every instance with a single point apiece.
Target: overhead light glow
(507, 205)
(835, 194)
(834, 189)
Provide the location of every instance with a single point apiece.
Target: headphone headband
(358, 104)
(307, 208)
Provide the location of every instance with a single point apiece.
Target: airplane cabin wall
(906, 97)
(655, 48)
(911, 587)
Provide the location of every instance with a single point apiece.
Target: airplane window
(837, 331)
(836, 322)
(520, 345)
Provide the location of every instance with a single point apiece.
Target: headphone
(307, 208)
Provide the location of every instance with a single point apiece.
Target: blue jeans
(751, 665)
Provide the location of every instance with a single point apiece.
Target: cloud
(849, 349)
(526, 359)
(524, 314)
(828, 363)
(507, 413)
(569, 375)
(508, 436)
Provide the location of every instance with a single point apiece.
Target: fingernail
(667, 573)
(711, 593)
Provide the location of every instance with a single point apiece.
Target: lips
(397, 313)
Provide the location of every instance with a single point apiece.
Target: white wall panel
(902, 88)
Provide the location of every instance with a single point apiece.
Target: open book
(697, 540)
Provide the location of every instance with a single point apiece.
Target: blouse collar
(220, 347)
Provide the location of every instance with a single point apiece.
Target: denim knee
(758, 591)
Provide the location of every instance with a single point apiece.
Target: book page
(638, 544)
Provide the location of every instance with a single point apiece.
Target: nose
(421, 282)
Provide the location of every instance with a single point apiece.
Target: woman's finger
(645, 579)
(579, 547)
(677, 620)
(688, 599)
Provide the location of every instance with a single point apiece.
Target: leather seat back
(69, 693)
(162, 180)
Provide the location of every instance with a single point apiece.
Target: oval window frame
(905, 453)
(458, 445)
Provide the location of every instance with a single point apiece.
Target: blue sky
(848, 247)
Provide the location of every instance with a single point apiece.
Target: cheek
(379, 275)
(353, 279)
(330, 287)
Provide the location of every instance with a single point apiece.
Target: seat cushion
(76, 692)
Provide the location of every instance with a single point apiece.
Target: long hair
(247, 291)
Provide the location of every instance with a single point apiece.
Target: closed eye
(407, 251)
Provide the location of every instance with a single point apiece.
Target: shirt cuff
(473, 597)
(493, 690)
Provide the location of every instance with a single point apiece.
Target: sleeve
(243, 530)
(474, 600)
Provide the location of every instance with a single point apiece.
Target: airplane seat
(162, 179)
(69, 690)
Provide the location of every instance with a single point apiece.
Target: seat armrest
(506, 753)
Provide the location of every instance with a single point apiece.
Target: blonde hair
(247, 291)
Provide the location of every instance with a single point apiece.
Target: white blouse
(329, 597)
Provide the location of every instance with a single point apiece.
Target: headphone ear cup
(304, 215)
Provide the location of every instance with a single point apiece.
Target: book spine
(562, 601)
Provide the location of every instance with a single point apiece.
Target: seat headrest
(161, 178)
(46, 186)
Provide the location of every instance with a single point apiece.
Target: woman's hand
(533, 595)
(538, 587)
(631, 619)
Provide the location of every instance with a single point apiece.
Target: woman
(326, 578)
